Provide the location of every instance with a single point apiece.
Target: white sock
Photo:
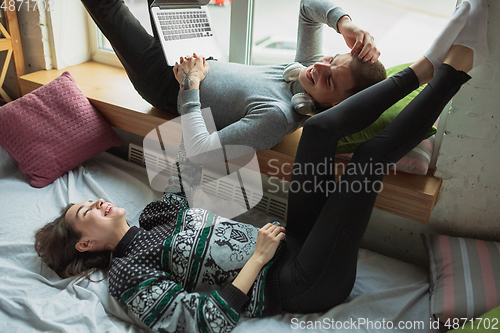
(473, 35)
(446, 39)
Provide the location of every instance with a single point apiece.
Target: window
(403, 29)
(275, 31)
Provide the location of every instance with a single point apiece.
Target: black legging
(140, 53)
(324, 230)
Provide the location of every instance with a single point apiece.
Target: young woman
(251, 105)
(187, 269)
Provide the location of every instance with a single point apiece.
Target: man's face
(328, 79)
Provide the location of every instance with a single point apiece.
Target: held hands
(358, 40)
(268, 240)
(191, 71)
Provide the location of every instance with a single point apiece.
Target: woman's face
(328, 79)
(99, 222)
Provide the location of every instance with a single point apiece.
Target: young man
(251, 105)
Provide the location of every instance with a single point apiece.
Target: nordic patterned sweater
(174, 273)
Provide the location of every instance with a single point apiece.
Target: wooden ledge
(407, 195)
(109, 89)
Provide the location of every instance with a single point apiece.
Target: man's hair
(365, 74)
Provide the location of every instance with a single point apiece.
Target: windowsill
(111, 92)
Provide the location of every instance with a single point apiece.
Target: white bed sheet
(34, 299)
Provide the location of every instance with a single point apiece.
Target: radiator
(273, 201)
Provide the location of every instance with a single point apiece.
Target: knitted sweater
(174, 273)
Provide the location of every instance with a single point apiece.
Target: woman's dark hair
(55, 244)
(365, 74)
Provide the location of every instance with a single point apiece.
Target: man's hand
(358, 40)
(190, 71)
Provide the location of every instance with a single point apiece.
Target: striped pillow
(463, 271)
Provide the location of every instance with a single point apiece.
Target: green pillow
(349, 143)
(489, 322)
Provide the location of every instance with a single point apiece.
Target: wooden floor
(109, 89)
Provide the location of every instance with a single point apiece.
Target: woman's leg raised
(313, 232)
(140, 53)
(311, 181)
(322, 273)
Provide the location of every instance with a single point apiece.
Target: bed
(33, 298)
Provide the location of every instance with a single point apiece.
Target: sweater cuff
(234, 297)
(334, 16)
(188, 101)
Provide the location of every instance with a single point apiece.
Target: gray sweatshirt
(251, 104)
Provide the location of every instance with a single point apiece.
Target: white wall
(469, 160)
(53, 38)
(30, 29)
(469, 164)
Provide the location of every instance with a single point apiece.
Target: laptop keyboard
(184, 25)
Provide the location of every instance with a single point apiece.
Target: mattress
(389, 295)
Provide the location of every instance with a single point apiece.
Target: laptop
(184, 27)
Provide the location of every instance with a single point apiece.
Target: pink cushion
(52, 130)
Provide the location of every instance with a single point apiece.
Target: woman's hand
(358, 40)
(268, 240)
(190, 71)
